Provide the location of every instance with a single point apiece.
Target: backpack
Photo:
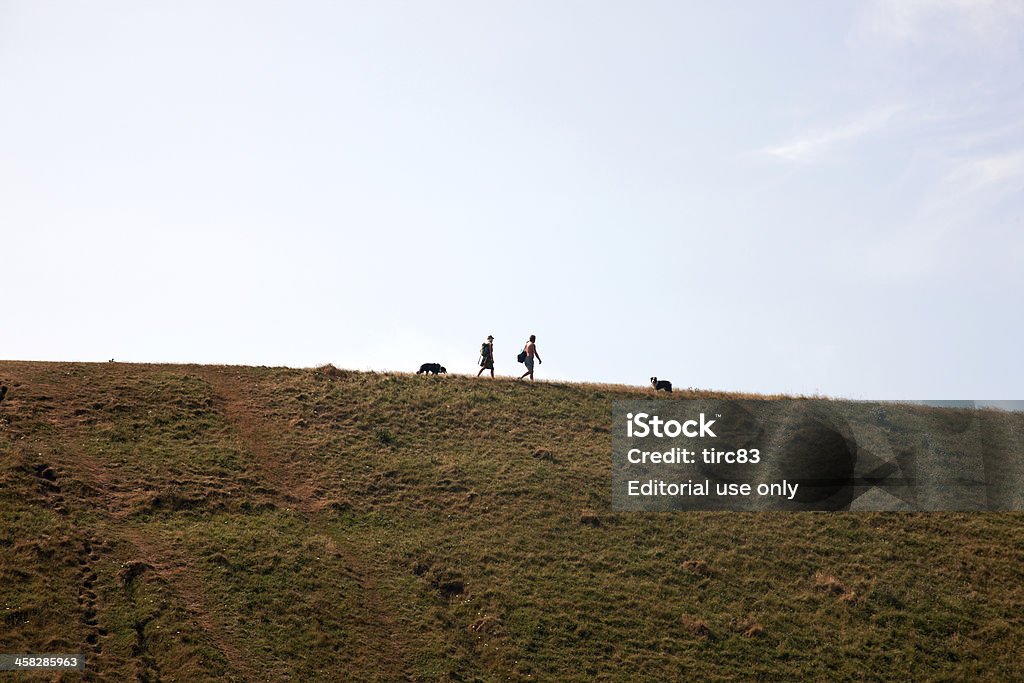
(485, 350)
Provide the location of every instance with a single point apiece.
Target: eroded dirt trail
(124, 465)
(256, 430)
(152, 555)
(297, 488)
(156, 556)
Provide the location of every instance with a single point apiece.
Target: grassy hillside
(199, 522)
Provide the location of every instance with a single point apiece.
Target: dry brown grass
(696, 627)
(324, 524)
(829, 584)
(699, 568)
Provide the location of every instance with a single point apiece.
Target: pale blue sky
(771, 197)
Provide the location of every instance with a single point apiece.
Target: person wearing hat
(487, 356)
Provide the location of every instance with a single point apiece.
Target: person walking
(531, 352)
(487, 356)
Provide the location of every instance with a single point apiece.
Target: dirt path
(161, 558)
(256, 431)
(265, 439)
(187, 586)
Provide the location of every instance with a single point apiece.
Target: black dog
(3, 392)
(432, 368)
(661, 384)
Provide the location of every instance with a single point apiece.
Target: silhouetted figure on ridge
(487, 356)
(527, 356)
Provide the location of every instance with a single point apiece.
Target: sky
(800, 197)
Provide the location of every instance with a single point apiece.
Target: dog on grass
(660, 384)
(3, 392)
(432, 369)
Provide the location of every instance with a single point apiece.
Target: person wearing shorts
(531, 352)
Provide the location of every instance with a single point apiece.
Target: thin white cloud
(955, 225)
(963, 22)
(971, 188)
(816, 144)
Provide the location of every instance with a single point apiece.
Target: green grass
(279, 524)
